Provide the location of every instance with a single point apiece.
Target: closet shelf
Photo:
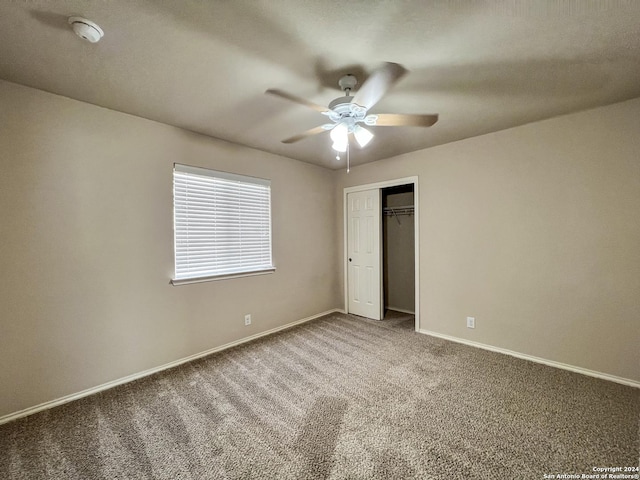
(403, 210)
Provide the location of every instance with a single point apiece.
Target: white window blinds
(222, 224)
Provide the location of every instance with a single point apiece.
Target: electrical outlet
(471, 322)
(247, 319)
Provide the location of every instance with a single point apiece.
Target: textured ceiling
(204, 65)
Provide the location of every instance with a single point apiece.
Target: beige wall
(535, 231)
(399, 255)
(86, 250)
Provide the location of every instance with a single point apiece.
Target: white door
(364, 253)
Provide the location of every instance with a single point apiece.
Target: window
(222, 224)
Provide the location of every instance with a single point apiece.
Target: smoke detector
(86, 29)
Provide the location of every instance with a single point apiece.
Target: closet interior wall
(398, 249)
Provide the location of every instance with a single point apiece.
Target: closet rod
(404, 210)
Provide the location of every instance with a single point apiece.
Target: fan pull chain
(348, 159)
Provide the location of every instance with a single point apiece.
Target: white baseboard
(129, 378)
(401, 310)
(531, 358)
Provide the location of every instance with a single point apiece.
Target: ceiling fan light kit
(340, 136)
(363, 136)
(349, 111)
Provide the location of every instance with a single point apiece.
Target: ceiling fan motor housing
(340, 103)
(342, 109)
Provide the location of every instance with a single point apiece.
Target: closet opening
(398, 253)
(381, 251)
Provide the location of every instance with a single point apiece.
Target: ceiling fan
(347, 113)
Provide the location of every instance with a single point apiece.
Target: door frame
(416, 231)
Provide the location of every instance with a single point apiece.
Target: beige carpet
(340, 398)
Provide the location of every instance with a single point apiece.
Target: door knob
(349, 259)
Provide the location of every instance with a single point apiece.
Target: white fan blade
(303, 135)
(293, 98)
(378, 84)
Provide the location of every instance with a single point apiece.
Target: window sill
(211, 278)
